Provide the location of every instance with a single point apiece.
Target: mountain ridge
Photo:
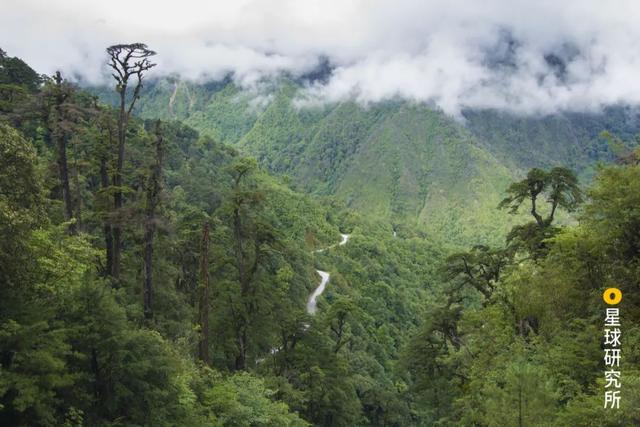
(405, 162)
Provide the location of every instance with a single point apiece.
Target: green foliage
(20, 204)
(520, 393)
(14, 71)
(542, 320)
(400, 162)
(243, 400)
(74, 351)
(559, 185)
(407, 332)
(560, 188)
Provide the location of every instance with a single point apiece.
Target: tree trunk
(237, 233)
(241, 359)
(78, 191)
(117, 182)
(554, 206)
(126, 61)
(95, 368)
(148, 272)
(520, 405)
(153, 199)
(534, 212)
(108, 236)
(63, 169)
(203, 297)
(60, 137)
(241, 334)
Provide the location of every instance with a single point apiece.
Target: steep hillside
(571, 139)
(205, 320)
(405, 163)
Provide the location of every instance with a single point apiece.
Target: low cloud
(521, 56)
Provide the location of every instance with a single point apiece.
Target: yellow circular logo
(612, 296)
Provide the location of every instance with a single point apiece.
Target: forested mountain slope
(404, 163)
(217, 263)
(200, 318)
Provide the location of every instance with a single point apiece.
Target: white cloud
(520, 55)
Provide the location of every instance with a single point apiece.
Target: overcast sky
(526, 56)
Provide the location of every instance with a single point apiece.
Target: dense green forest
(159, 243)
(404, 162)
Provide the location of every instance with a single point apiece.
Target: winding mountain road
(312, 304)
